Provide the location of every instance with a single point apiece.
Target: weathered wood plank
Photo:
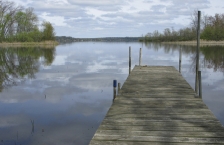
(179, 106)
(183, 100)
(97, 142)
(156, 105)
(158, 94)
(159, 139)
(158, 116)
(158, 102)
(161, 123)
(142, 111)
(160, 133)
(180, 93)
(205, 128)
(157, 111)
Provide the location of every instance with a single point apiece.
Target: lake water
(61, 95)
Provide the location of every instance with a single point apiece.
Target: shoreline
(194, 43)
(45, 44)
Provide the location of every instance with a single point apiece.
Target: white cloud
(98, 28)
(95, 12)
(23, 2)
(57, 2)
(95, 3)
(81, 18)
(56, 20)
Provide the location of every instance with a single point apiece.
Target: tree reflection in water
(16, 64)
(214, 57)
(211, 56)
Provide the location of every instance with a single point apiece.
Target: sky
(118, 18)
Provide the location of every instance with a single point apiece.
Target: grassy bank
(194, 43)
(45, 44)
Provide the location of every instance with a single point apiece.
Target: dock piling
(180, 59)
(197, 54)
(129, 59)
(119, 88)
(200, 87)
(114, 85)
(140, 56)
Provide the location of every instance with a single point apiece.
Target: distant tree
(7, 18)
(214, 29)
(19, 24)
(26, 21)
(48, 31)
(166, 34)
(194, 20)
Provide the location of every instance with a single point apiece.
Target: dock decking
(156, 106)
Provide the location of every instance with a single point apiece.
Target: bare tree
(8, 11)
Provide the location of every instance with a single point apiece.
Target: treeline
(65, 39)
(21, 25)
(185, 34)
(212, 28)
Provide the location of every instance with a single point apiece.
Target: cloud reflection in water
(68, 99)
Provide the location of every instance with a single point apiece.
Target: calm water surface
(61, 95)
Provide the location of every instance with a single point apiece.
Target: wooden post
(114, 85)
(119, 88)
(129, 59)
(200, 87)
(197, 54)
(180, 59)
(140, 56)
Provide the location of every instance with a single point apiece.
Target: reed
(194, 43)
(45, 44)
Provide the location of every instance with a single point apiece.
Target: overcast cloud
(111, 18)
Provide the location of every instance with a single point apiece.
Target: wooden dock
(156, 106)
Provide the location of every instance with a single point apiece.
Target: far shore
(44, 44)
(194, 43)
(52, 44)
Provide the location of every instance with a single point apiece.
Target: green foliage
(33, 36)
(26, 20)
(185, 34)
(207, 34)
(48, 31)
(213, 29)
(20, 25)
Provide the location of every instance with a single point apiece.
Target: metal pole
(200, 87)
(129, 59)
(197, 54)
(140, 56)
